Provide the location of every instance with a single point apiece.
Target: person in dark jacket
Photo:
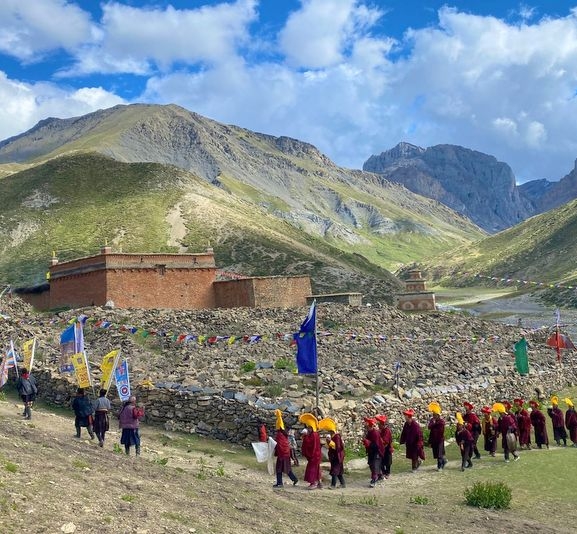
(83, 411)
(102, 408)
(26, 387)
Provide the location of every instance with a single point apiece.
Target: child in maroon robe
(336, 458)
(465, 441)
(539, 425)
(523, 424)
(412, 438)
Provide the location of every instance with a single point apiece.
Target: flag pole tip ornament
(309, 420)
(328, 424)
(279, 424)
(569, 402)
(434, 407)
(459, 418)
(499, 407)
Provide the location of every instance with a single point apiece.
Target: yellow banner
(28, 353)
(107, 368)
(81, 370)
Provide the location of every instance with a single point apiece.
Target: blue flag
(306, 341)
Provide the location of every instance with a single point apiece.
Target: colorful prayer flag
(81, 370)
(306, 341)
(122, 380)
(71, 342)
(28, 350)
(107, 367)
(521, 358)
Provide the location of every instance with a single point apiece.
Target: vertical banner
(122, 380)
(28, 350)
(306, 341)
(81, 370)
(521, 358)
(71, 342)
(107, 367)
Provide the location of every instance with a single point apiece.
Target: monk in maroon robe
(539, 425)
(336, 458)
(507, 425)
(282, 451)
(387, 441)
(490, 429)
(374, 448)
(471, 418)
(412, 438)
(571, 423)
(523, 424)
(465, 440)
(437, 439)
(311, 450)
(558, 421)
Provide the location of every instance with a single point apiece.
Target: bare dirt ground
(51, 482)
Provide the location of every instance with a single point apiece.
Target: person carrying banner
(282, 452)
(129, 422)
(102, 408)
(412, 438)
(26, 387)
(84, 413)
(539, 425)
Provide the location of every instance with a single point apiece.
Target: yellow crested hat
(459, 418)
(554, 400)
(499, 407)
(310, 420)
(568, 402)
(328, 424)
(434, 407)
(279, 425)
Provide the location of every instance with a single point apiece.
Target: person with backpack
(26, 387)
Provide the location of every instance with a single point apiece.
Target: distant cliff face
(471, 183)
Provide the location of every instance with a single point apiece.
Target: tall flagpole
(317, 373)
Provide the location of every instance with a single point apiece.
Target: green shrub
(495, 495)
(419, 499)
(248, 366)
(286, 363)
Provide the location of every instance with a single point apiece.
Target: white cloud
(30, 28)
(140, 40)
(25, 104)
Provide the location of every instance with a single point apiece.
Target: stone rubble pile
(226, 388)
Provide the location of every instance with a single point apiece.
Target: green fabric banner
(521, 358)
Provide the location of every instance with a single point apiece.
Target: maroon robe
(337, 456)
(506, 422)
(412, 438)
(558, 422)
(490, 430)
(311, 450)
(282, 451)
(375, 451)
(524, 426)
(571, 423)
(437, 436)
(540, 426)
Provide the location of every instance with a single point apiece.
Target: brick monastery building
(177, 281)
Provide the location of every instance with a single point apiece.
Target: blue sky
(352, 77)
